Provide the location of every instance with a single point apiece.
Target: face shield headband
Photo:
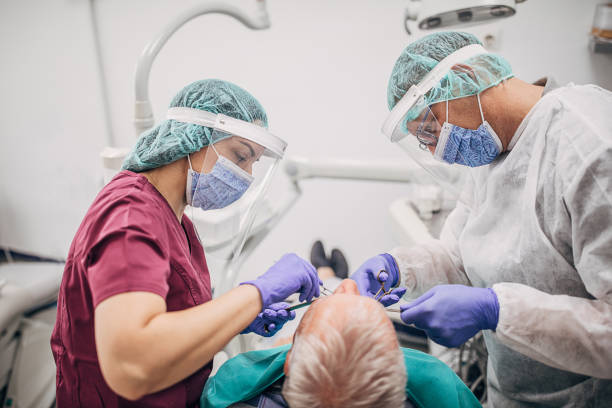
(393, 125)
(274, 146)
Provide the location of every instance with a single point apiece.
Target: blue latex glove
(368, 285)
(271, 320)
(452, 314)
(289, 275)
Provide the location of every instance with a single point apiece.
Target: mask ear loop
(480, 107)
(446, 124)
(210, 144)
(447, 96)
(191, 207)
(189, 160)
(215, 150)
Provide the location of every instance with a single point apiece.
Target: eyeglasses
(427, 129)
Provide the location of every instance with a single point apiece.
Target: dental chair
(28, 292)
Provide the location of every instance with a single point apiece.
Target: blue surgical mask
(468, 147)
(225, 184)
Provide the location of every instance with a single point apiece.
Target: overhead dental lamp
(436, 14)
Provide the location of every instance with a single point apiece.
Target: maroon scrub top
(130, 240)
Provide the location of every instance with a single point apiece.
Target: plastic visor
(415, 97)
(231, 181)
(419, 136)
(273, 145)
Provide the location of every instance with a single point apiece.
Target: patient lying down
(344, 354)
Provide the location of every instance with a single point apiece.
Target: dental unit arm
(255, 18)
(299, 168)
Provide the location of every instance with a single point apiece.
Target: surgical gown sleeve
(436, 261)
(571, 333)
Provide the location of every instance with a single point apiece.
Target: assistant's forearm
(566, 332)
(179, 343)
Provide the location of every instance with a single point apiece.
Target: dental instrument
(324, 293)
(382, 291)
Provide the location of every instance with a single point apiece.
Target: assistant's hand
(271, 320)
(368, 285)
(289, 275)
(452, 314)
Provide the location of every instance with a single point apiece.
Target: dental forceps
(382, 291)
(324, 293)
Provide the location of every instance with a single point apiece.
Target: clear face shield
(226, 191)
(419, 138)
(227, 172)
(422, 135)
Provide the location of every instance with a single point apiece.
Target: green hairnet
(171, 140)
(420, 57)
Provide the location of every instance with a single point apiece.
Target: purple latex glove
(368, 285)
(289, 275)
(452, 314)
(271, 320)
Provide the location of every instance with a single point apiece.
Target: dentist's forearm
(143, 349)
(188, 339)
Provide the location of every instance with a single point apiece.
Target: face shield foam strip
(431, 79)
(274, 145)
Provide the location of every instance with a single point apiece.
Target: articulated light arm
(255, 18)
(300, 168)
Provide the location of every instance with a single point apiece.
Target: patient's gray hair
(354, 366)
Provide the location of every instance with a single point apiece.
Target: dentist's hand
(271, 320)
(452, 314)
(368, 284)
(289, 275)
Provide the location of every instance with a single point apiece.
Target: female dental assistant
(136, 323)
(526, 256)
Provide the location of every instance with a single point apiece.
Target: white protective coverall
(540, 234)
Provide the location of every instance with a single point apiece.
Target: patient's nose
(347, 286)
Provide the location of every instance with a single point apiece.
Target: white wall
(321, 72)
(51, 123)
(550, 37)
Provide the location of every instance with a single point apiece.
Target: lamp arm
(254, 19)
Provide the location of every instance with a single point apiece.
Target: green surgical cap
(419, 58)
(171, 140)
